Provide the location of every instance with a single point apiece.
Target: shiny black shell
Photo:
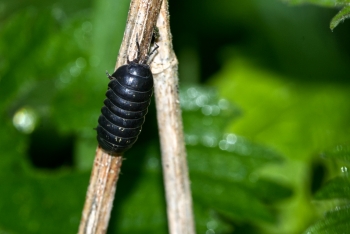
(128, 97)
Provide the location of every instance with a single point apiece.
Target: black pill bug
(128, 97)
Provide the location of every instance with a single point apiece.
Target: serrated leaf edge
(341, 16)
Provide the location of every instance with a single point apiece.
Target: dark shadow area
(304, 53)
(50, 150)
(317, 176)
(239, 227)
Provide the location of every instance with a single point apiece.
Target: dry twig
(103, 181)
(143, 15)
(175, 171)
(100, 194)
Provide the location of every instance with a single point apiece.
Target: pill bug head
(135, 76)
(139, 69)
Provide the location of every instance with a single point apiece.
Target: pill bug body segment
(128, 97)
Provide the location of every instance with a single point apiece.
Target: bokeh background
(265, 94)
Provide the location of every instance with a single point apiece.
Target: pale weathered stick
(175, 171)
(142, 18)
(103, 181)
(100, 195)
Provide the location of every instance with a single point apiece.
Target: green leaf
(263, 187)
(230, 199)
(35, 195)
(341, 152)
(340, 17)
(296, 119)
(224, 166)
(327, 3)
(336, 221)
(141, 210)
(338, 187)
(209, 219)
(49, 71)
(337, 190)
(55, 67)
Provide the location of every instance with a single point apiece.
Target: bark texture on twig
(100, 194)
(141, 21)
(175, 171)
(142, 18)
(103, 181)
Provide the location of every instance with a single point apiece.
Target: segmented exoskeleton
(128, 97)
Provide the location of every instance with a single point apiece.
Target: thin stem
(100, 194)
(105, 172)
(175, 171)
(98, 205)
(142, 18)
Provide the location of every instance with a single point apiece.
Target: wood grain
(143, 16)
(175, 171)
(100, 194)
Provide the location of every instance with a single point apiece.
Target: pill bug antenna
(150, 54)
(109, 75)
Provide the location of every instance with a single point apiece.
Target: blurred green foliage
(257, 139)
(334, 195)
(338, 18)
